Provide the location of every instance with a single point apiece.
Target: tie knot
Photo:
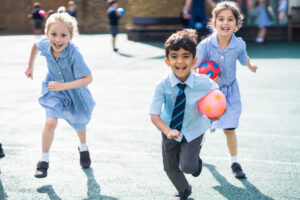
(181, 86)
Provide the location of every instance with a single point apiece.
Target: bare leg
(48, 133)
(82, 135)
(231, 142)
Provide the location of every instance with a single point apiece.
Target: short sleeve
(43, 46)
(243, 57)
(157, 101)
(80, 67)
(200, 53)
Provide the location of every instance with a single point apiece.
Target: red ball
(213, 105)
(211, 69)
(42, 13)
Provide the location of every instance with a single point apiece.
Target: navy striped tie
(178, 112)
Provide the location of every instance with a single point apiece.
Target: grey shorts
(114, 30)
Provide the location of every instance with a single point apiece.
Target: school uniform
(209, 50)
(74, 105)
(182, 154)
(263, 18)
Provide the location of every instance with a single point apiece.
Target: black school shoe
(237, 170)
(183, 195)
(2, 154)
(85, 160)
(198, 172)
(41, 169)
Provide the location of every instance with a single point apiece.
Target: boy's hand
(173, 134)
(29, 72)
(55, 86)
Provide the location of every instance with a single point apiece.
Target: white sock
(233, 159)
(45, 157)
(83, 147)
(259, 40)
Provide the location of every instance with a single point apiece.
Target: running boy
(181, 123)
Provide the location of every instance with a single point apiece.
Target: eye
(53, 34)
(63, 35)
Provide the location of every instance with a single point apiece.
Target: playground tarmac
(125, 146)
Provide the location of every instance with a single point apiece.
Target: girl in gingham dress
(64, 92)
(224, 48)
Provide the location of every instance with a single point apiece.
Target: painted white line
(159, 154)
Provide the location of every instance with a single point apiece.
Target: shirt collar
(189, 81)
(232, 43)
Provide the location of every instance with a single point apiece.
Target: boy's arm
(252, 67)
(33, 53)
(160, 124)
(57, 86)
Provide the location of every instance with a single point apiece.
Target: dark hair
(228, 5)
(186, 39)
(36, 5)
(111, 2)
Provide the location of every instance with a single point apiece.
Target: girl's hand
(29, 72)
(253, 68)
(217, 79)
(55, 86)
(217, 118)
(173, 134)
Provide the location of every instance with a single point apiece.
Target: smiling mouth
(180, 68)
(225, 29)
(58, 46)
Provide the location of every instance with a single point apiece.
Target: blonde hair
(70, 22)
(61, 9)
(228, 5)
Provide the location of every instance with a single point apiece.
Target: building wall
(91, 14)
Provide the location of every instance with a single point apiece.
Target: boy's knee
(189, 168)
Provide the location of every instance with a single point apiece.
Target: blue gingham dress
(209, 50)
(74, 105)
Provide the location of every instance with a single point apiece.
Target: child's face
(225, 23)
(181, 63)
(59, 36)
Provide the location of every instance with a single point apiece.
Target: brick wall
(91, 14)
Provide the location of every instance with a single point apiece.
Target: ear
(195, 60)
(167, 61)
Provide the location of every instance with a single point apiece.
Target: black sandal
(41, 169)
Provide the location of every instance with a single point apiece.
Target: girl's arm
(160, 124)
(252, 67)
(29, 70)
(57, 86)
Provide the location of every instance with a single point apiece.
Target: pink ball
(42, 13)
(213, 105)
(211, 69)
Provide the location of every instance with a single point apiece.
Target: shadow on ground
(93, 192)
(3, 195)
(94, 188)
(229, 191)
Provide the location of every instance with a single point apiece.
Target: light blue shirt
(209, 50)
(75, 105)
(194, 123)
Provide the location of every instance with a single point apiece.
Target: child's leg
(48, 133)
(85, 160)
(231, 142)
(232, 148)
(261, 35)
(170, 151)
(47, 138)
